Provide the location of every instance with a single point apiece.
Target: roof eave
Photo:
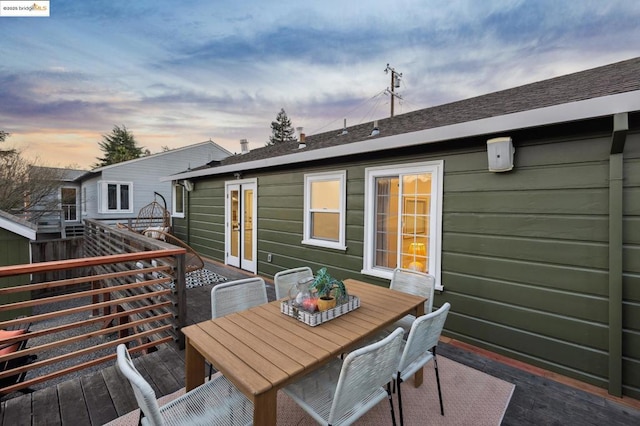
(562, 113)
(26, 230)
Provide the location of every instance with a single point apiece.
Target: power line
(348, 113)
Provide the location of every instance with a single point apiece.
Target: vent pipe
(344, 127)
(375, 131)
(244, 146)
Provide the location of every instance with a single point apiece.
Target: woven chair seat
(216, 402)
(342, 391)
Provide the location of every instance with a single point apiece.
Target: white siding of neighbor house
(144, 174)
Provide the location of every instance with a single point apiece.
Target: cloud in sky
(178, 73)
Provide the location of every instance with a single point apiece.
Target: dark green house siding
(525, 254)
(14, 250)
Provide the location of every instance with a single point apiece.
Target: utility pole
(395, 83)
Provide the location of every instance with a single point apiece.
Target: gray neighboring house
(538, 252)
(117, 192)
(66, 221)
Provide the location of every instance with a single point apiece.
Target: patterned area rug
(470, 397)
(202, 277)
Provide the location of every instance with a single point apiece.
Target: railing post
(181, 288)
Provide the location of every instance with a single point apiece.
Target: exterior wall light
(500, 154)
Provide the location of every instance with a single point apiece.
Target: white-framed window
(324, 209)
(178, 200)
(116, 197)
(403, 219)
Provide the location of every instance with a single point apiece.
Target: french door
(240, 224)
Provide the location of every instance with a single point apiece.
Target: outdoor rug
(202, 277)
(470, 397)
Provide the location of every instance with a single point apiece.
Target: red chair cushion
(5, 334)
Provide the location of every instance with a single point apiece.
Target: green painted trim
(616, 214)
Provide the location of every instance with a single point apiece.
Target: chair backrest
(284, 280)
(414, 282)
(142, 390)
(234, 296)
(363, 372)
(423, 336)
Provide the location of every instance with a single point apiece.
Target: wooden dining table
(261, 350)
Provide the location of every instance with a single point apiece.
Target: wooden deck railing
(134, 295)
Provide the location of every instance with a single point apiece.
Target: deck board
(121, 393)
(165, 383)
(45, 407)
(99, 403)
(73, 409)
(17, 410)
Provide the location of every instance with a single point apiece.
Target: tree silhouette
(118, 146)
(281, 130)
(24, 184)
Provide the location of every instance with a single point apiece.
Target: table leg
(418, 376)
(265, 408)
(194, 366)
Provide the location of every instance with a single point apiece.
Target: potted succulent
(329, 290)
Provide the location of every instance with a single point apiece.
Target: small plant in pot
(330, 290)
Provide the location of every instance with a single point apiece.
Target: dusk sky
(178, 73)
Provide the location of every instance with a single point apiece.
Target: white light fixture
(500, 154)
(188, 185)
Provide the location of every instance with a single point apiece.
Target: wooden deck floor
(100, 397)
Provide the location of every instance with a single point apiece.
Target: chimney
(244, 146)
(302, 143)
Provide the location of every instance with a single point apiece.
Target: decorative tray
(315, 318)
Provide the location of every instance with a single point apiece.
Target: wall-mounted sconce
(188, 185)
(500, 154)
(237, 175)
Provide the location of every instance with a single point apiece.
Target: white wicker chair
(284, 280)
(420, 348)
(217, 402)
(413, 282)
(235, 296)
(342, 391)
(238, 295)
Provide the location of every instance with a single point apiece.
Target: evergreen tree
(281, 130)
(118, 146)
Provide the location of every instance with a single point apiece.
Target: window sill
(387, 275)
(178, 215)
(325, 244)
(116, 212)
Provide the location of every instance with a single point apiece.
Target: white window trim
(83, 199)
(436, 168)
(176, 187)
(104, 194)
(341, 177)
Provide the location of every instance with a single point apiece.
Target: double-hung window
(324, 209)
(403, 219)
(116, 197)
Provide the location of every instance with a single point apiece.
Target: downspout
(188, 217)
(616, 214)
